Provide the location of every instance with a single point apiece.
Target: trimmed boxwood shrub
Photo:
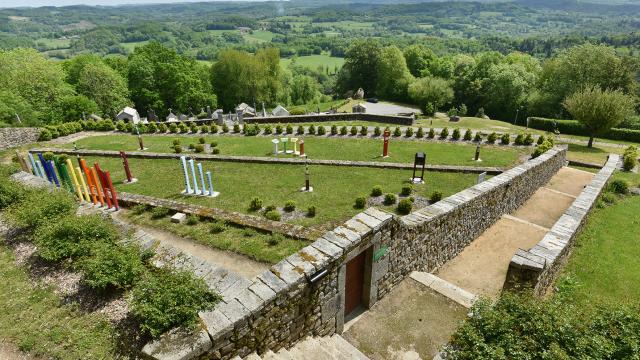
(478, 137)
(177, 149)
(541, 139)
(279, 129)
(435, 197)
(183, 127)
(505, 139)
(73, 236)
(164, 298)
(409, 132)
(542, 148)
(273, 215)
(236, 128)
(456, 134)
(120, 125)
(528, 140)
(162, 128)
(444, 134)
(290, 206)
(397, 132)
(376, 191)
(390, 199)
(215, 151)
(173, 128)
(300, 130)
(467, 135)
(214, 129)
(192, 146)
(311, 211)
(353, 131)
(193, 128)
(519, 139)
(199, 148)
(406, 190)
(225, 128)
(573, 127)
(112, 266)
(334, 130)
(45, 135)
(152, 128)
(214, 144)
(255, 204)
(311, 130)
(344, 130)
(201, 140)
(204, 129)
(360, 203)
(376, 131)
(630, 158)
(289, 129)
(405, 206)
(420, 133)
(432, 133)
(619, 186)
(322, 130)
(491, 139)
(364, 131)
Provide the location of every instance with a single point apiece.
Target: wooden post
(125, 163)
(385, 149)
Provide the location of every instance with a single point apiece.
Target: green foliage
(176, 142)
(630, 158)
(405, 206)
(343, 130)
(273, 215)
(204, 129)
(467, 135)
(251, 130)
(432, 133)
(353, 131)
(444, 133)
(162, 128)
(225, 128)
(236, 128)
(360, 203)
(519, 139)
(217, 227)
(542, 148)
(120, 125)
(505, 139)
(492, 138)
(199, 148)
(406, 190)
(609, 198)
(139, 209)
(420, 133)
(215, 151)
(279, 129)
(456, 134)
(363, 130)
(152, 128)
(546, 329)
(214, 129)
(275, 239)
(290, 206)
(397, 132)
(35, 209)
(164, 298)
(45, 135)
(72, 236)
(255, 204)
(376, 191)
(268, 130)
(183, 127)
(192, 146)
(10, 192)
(528, 140)
(173, 128)
(452, 112)
(311, 211)
(435, 197)
(619, 186)
(300, 130)
(478, 137)
(177, 149)
(393, 74)
(322, 130)
(312, 129)
(192, 219)
(112, 266)
(431, 93)
(389, 199)
(334, 130)
(409, 132)
(159, 212)
(289, 129)
(201, 140)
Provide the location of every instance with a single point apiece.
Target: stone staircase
(333, 347)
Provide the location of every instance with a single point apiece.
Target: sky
(35, 3)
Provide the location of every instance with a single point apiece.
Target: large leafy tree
(239, 77)
(304, 89)
(360, 69)
(419, 58)
(507, 89)
(393, 74)
(599, 110)
(105, 86)
(160, 79)
(578, 67)
(431, 90)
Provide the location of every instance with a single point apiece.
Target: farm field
(314, 61)
(335, 188)
(322, 148)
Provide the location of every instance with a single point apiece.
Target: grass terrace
(451, 153)
(335, 188)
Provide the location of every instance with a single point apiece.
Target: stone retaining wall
(385, 119)
(12, 137)
(539, 266)
(272, 160)
(305, 293)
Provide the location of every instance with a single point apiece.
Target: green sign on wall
(380, 253)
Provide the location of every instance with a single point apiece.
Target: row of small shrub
(161, 298)
(272, 213)
(544, 144)
(176, 145)
(574, 127)
(404, 206)
(54, 131)
(630, 158)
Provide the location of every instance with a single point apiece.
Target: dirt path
(482, 267)
(239, 264)
(412, 322)
(10, 352)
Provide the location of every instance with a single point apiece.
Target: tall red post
(125, 163)
(385, 149)
(302, 148)
(103, 183)
(112, 190)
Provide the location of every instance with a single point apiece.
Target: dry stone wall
(539, 266)
(11, 137)
(305, 293)
(385, 119)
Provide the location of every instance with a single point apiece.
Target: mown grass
(335, 188)
(605, 264)
(451, 153)
(33, 318)
(314, 61)
(596, 155)
(251, 243)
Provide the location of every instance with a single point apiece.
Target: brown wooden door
(354, 283)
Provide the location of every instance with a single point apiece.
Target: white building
(280, 111)
(129, 114)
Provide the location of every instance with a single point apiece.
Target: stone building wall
(284, 304)
(539, 266)
(12, 137)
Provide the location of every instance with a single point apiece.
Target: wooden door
(354, 283)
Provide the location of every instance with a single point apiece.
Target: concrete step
(315, 348)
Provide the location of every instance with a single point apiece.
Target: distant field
(54, 44)
(133, 45)
(313, 61)
(259, 36)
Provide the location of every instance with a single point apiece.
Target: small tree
(599, 110)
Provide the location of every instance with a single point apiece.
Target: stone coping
(256, 222)
(269, 160)
(543, 262)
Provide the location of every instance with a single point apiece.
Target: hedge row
(573, 127)
(53, 131)
(161, 298)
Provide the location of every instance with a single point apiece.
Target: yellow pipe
(84, 185)
(74, 178)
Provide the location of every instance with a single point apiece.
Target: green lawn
(133, 45)
(248, 242)
(34, 319)
(259, 36)
(605, 265)
(313, 61)
(335, 188)
(324, 148)
(476, 124)
(595, 155)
